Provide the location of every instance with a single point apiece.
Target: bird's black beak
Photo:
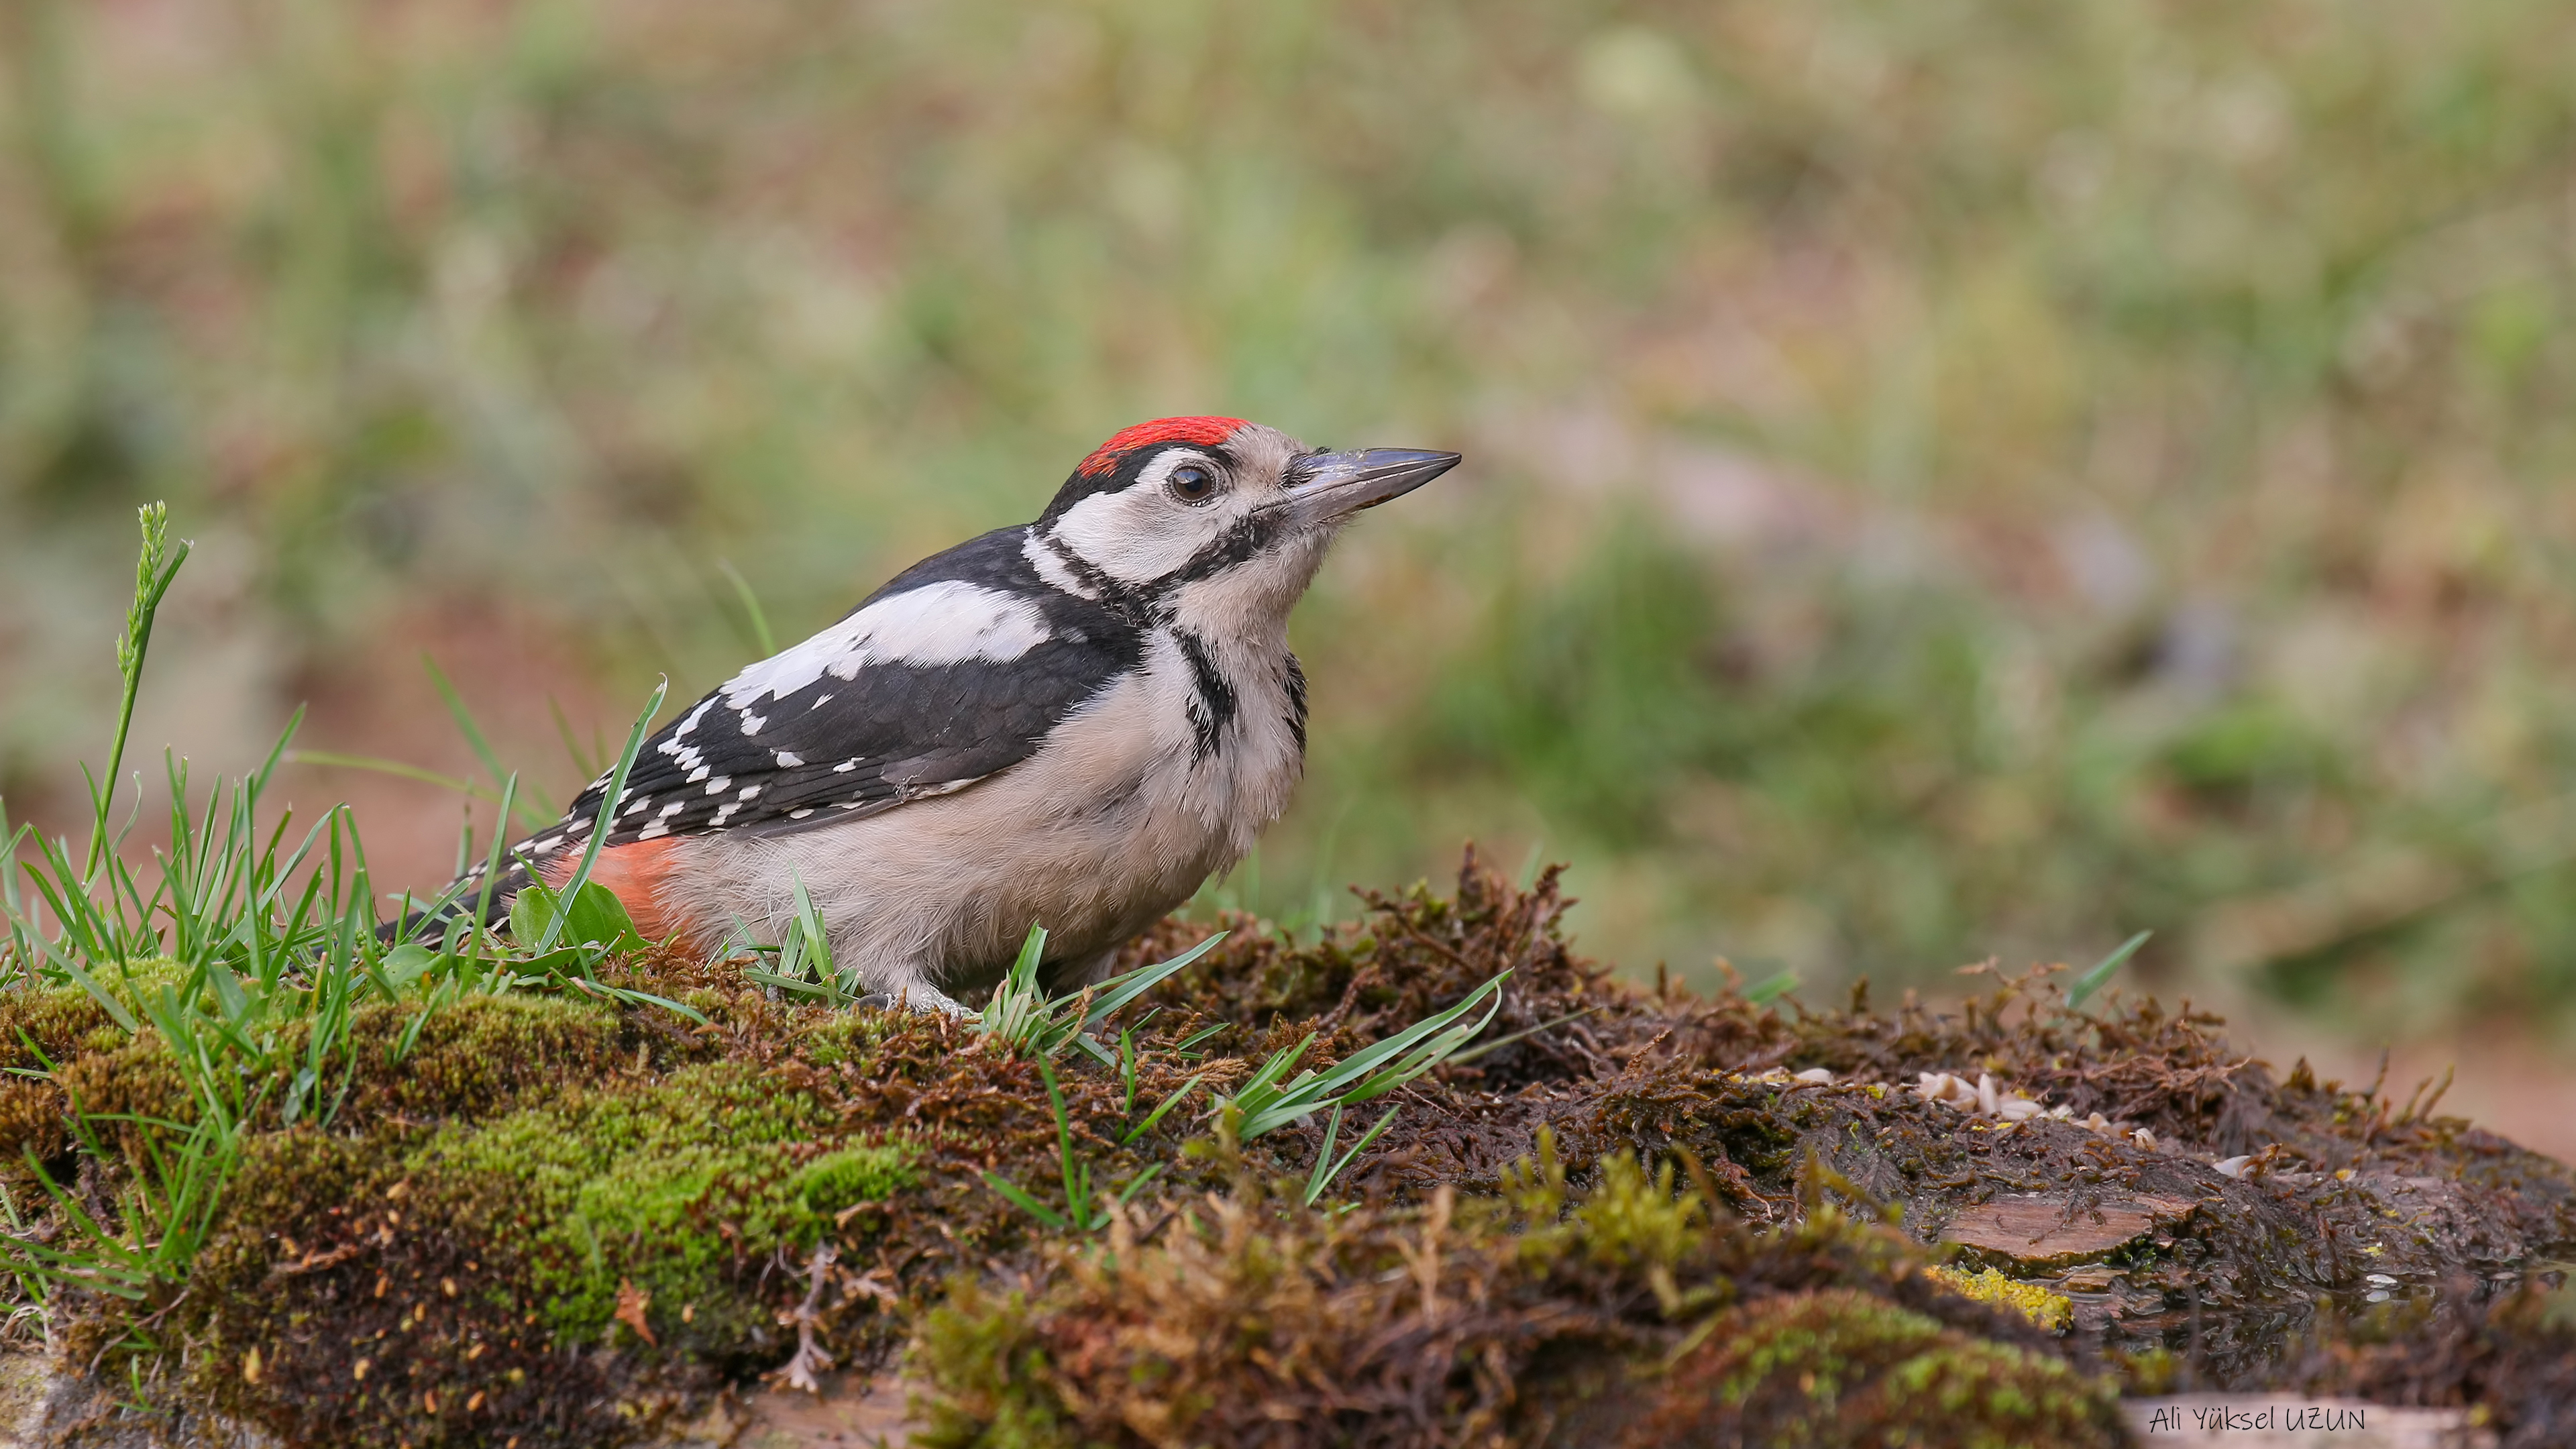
(1326, 486)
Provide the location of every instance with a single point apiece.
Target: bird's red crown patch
(1206, 432)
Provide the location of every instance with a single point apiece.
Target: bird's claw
(919, 997)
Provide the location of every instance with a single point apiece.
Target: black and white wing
(958, 668)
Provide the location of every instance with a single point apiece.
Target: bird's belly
(1111, 825)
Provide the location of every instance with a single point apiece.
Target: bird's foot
(920, 996)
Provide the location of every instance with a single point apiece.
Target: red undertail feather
(633, 873)
(1206, 432)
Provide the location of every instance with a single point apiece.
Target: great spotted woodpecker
(1073, 722)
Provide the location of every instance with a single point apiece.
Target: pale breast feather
(957, 668)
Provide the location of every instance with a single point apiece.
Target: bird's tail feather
(458, 900)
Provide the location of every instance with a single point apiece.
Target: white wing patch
(948, 622)
(689, 756)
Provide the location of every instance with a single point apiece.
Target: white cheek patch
(1137, 535)
(949, 622)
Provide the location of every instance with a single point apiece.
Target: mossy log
(1631, 1217)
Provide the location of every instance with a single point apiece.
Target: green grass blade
(751, 609)
(815, 943)
(1326, 1177)
(608, 803)
(1373, 1071)
(1018, 1013)
(1262, 1087)
(1420, 1046)
(1324, 1157)
(1125, 987)
(1771, 988)
(1077, 1179)
(1167, 1105)
(1202, 1034)
(2102, 970)
(492, 862)
(1128, 1193)
(632, 997)
(1500, 1042)
(107, 1001)
(581, 759)
(334, 760)
(1026, 1203)
(154, 569)
(535, 813)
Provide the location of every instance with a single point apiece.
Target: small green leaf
(599, 917)
(407, 963)
(532, 912)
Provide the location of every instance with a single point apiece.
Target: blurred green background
(1946, 479)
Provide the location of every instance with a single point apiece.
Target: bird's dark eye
(1191, 483)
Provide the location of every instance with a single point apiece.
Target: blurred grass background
(1945, 479)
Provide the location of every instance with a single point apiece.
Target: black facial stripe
(1249, 535)
(1212, 705)
(1151, 603)
(1129, 605)
(1297, 702)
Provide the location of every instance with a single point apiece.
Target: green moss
(2052, 1311)
(1822, 1341)
(1986, 1396)
(471, 1059)
(994, 1392)
(2148, 1372)
(663, 1187)
(827, 1039)
(1631, 1221)
(838, 1180)
(1841, 1366)
(135, 985)
(476, 1057)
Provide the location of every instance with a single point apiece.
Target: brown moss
(32, 1124)
(442, 1221)
(40, 1029)
(46, 1025)
(1248, 1320)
